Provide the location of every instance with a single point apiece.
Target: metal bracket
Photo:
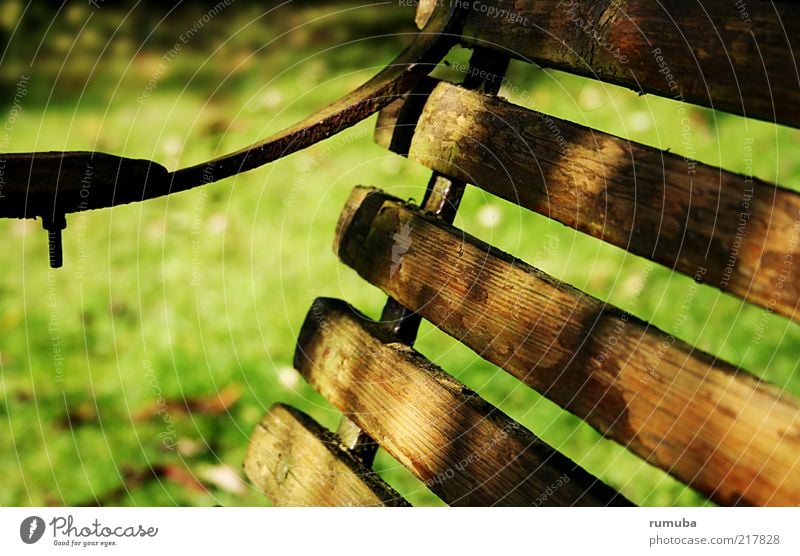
(442, 198)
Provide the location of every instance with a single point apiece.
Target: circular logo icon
(31, 529)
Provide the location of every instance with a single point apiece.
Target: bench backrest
(722, 431)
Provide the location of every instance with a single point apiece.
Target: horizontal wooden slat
(722, 431)
(466, 451)
(730, 231)
(721, 54)
(296, 462)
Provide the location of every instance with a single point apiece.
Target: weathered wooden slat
(722, 431)
(721, 54)
(466, 451)
(733, 232)
(296, 462)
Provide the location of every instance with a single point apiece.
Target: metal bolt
(54, 224)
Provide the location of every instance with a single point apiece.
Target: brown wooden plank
(296, 462)
(721, 54)
(466, 451)
(722, 431)
(733, 232)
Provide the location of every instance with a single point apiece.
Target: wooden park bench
(716, 428)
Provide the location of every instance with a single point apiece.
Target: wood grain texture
(722, 431)
(465, 450)
(733, 232)
(709, 52)
(296, 462)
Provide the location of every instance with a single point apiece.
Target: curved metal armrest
(52, 184)
(48, 184)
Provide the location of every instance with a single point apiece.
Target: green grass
(185, 296)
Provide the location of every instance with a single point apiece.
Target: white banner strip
(348, 531)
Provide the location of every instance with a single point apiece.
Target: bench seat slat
(722, 431)
(466, 451)
(296, 462)
(739, 234)
(714, 53)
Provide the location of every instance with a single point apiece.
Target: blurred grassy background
(176, 318)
